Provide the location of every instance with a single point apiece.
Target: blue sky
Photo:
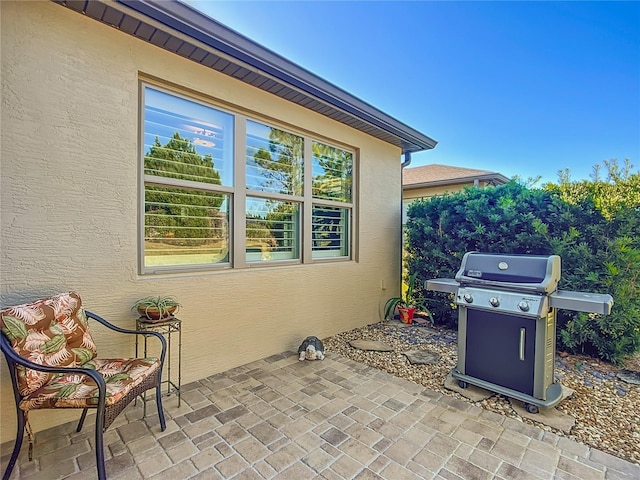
(519, 88)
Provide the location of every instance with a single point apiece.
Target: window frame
(238, 192)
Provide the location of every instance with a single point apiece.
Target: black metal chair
(53, 364)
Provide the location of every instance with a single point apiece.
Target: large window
(188, 158)
(207, 205)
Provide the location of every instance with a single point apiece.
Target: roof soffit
(176, 27)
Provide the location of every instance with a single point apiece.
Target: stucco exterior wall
(426, 192)
(70, 199)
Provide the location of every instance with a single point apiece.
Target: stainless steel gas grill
(507, 323)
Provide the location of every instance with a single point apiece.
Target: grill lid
(532, 273)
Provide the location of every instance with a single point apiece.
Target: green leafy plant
(156, 307)
(408, 299)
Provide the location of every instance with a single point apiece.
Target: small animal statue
(311, 349)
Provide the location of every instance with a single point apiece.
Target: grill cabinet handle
(522, 335)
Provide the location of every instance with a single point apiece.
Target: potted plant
(407, 303)
(156, 307)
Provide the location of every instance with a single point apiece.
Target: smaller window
(332, 173)
(273, 228)
(330, 232)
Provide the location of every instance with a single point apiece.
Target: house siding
(70, 202)
(410, 194)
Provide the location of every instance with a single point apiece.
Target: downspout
(407, 160)
(406, 163)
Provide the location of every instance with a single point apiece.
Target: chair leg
(102, 472)
(16, 447)
(163, 424)
(82, 417)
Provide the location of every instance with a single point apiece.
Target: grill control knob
(468, 298)
(524, 306)
(494, 302)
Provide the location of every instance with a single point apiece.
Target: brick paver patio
(279, 418)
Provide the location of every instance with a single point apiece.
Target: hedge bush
(598, 254)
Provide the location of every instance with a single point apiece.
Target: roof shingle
(440, 174)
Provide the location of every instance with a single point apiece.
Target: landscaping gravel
(605, 407)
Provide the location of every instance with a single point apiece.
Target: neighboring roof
(433, 175)
(180, 29)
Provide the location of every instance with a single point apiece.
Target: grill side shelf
(446, 285)
(582, 301)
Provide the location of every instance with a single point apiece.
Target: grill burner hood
(532, 273)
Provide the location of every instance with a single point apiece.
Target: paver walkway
(279, 418)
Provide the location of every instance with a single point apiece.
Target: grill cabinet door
(500, 349)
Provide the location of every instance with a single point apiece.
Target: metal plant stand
(166, 327)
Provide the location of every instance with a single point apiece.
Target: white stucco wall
(69, 202)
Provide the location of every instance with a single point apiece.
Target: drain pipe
(407, 160)
(405, 163)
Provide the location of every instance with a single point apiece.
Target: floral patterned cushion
(53, 331)
(79, 391)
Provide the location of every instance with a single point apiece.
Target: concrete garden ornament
(311, 349)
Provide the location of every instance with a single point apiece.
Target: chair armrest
(110, 325)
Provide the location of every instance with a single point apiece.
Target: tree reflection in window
(274, 160)
(183, 225)
(332, 173)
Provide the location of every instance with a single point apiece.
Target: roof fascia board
(183, 18)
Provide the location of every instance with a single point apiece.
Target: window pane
(330, 232)
(187, 140)
(274, 160)
(272, 230)
(332, 173)
(185, 227)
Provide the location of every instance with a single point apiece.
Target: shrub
(505, 219)
(599, 254)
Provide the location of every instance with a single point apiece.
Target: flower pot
(154, 313)
(406, 314)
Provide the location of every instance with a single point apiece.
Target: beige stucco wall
(69, 202)
(426, 192)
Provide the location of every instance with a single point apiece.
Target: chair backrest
(51, 331)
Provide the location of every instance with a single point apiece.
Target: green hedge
(598, 254)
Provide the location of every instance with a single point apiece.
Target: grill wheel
(531, 408)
